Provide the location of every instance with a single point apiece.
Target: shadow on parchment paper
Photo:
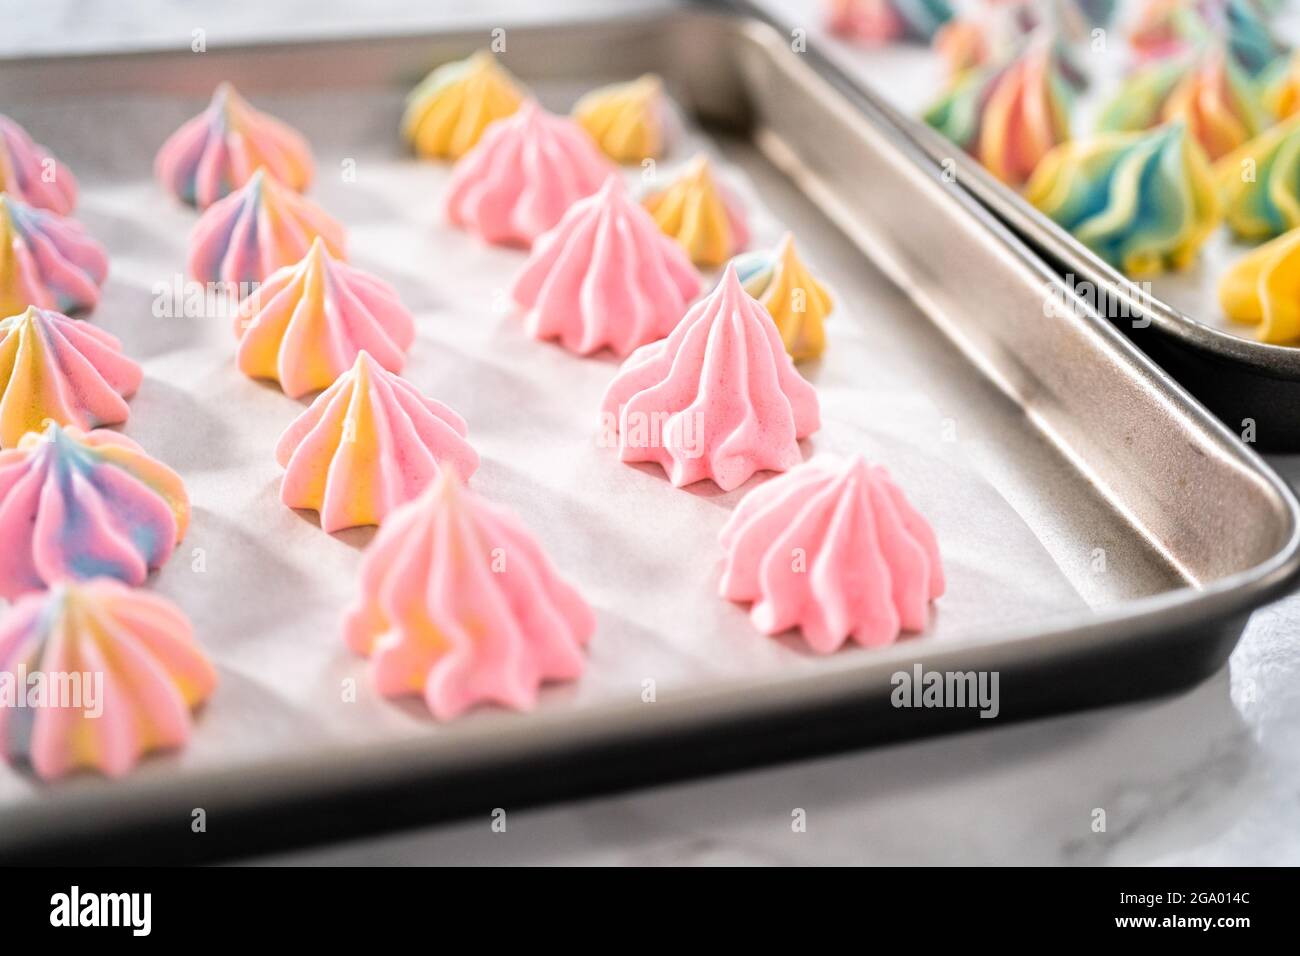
(182, 428)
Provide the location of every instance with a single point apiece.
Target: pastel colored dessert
(701, 214)
(865, 563)
(148, 674)
(1143, 202)
(1221, 105)
(30, 172)
(718, 399)
(77, 504)
(447, 113)
(308, 322)
(797, 302)
(57, 369)
(1282, 88)
(367, 444)
(460, 605)
(47, 260)
(605, 277)
(258, 228)
(1263, 289)
(628, 121)
(962, 44)
(1165, 27)
(219, 150)
(524, 174)
(1260, 183)
(884, 21)
(1250, 37)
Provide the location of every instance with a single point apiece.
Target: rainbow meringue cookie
(797, 302)
(1144, 202)
(459, 604)
(883, 21)
(701, 214)
(77, 504)
(628, 121)
(1263, 289)
(367, 444)
(259, 228)
(718, 399)
(29, 172)
(1260, 183)
(447, 113)
(57, 369)
(129, 656)
(605, 277)
(1281, 86)
(47, 260)
(524, 174)
(307, 322)
(865, 563)
(219, 150)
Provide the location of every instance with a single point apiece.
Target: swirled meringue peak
(260, 227)
(797, 302)
(963, 45)
(1144, 202)
(701, 214)
(459, 604)
(367, 444)
(219, 150)
(605, 277)
(883, 21)
(1260, 183)
(1282, 88)
(57, 369)
(628, 121)
(1263, 289)
(308, 322)
(47, 260)
(30, 172)
(77, 504)
(447, 113)
(718, 399)
(149, 672)
(834, 549)
(1166, 27)
(1250, 38)
(524, 174)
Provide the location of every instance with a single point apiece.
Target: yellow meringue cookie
(448, 111)
(697, 212)
(626, 119)
(797, 302)
(1263, 288)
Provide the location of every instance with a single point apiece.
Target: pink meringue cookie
(129, 667)
(77, 504)
(834, 549)
(31, 173)
(719, 398)
(460, 605)
(367, 444)
(605, 277)
(260, 227)
(47, 261)
(308, 322)
(525, 172)
(53, 368)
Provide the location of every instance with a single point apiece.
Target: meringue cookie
(1250, 38)
(29, 172)
(367, 444)
(628, 121)
(53, 368)
(719, 398)
(1282, 88)
(834, 549)
(308, 322)
(1166, 27)
(219, 150)
(881, 21)
(797, 302)
(1260, 183)
(605, 277)
(47, 261)
(962, 44)
(448, 111)
(77, 504)
(1263, 288)
(526, 171)
(260, 227)
(153, 675)
(460, 605)
(701, 215)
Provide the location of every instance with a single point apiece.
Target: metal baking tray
(1105, 537)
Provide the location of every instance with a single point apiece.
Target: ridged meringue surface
(882, 21)
(719, 398)
(447, 113)
(308, 322)
(628, 121)
(81, 505)
(523, 175)
(605, 277)
(219, 150)
(367, 444)
(1260, 183)
(700, 213)
(833, 548)
(797, 302)
(1263, 289)
(29, 172)
(53, 368)
(1282, 89)
(153, 671)
(459, 604)
(47, 260)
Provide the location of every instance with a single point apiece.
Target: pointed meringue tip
(730, 278)
(317, 250)
(613, 185)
